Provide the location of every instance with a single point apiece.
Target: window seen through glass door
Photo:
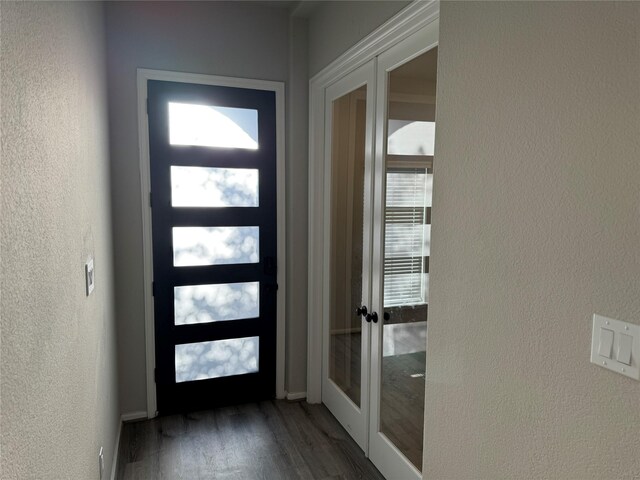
(407, 221)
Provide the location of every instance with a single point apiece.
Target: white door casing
(143, 75)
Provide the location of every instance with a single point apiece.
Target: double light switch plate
(615, 345)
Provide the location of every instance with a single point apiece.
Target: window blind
(407, 236)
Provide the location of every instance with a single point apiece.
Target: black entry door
(213, 196)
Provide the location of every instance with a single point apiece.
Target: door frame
(143, 75)
(411, 19)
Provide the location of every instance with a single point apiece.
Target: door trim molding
(411, 19)
(143, 75)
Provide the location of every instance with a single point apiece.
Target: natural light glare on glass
(221, 358)
(409, 189)
(408, 137)
(211, 126)
(216, 303)
(214, 187)
(406, 240)
(194, 246)
(404, 338)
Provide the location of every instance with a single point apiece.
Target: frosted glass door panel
(214, 187)
(195, 246)
(212, 126)
(220, 358)
(216, 303)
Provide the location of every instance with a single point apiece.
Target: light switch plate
(89, 277)
(618, 328)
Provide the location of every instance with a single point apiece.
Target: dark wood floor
(402, 387)
(402, 403)
(271, 440)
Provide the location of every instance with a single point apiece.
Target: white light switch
(625, 343)
(615, 345)
(606, 343)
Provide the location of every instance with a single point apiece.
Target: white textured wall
(536, 226)
(238, 39)
(336, 26)
(58, 364)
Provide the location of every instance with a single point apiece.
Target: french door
(213, 197)
(349, 145)
(380, 155)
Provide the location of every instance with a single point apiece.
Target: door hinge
(153, 289)
(147, 106)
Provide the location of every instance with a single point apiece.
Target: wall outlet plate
(89, 276)
(619, 329)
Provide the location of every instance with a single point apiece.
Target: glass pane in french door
(347, 220)
(407, 217)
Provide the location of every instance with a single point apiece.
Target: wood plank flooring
(271, 440)
(402, 386)
(402, 403)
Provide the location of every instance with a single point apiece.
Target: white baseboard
(131, 416)
(296, 395)
(125, 417)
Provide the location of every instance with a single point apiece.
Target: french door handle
(372, 317)
(361, 311)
